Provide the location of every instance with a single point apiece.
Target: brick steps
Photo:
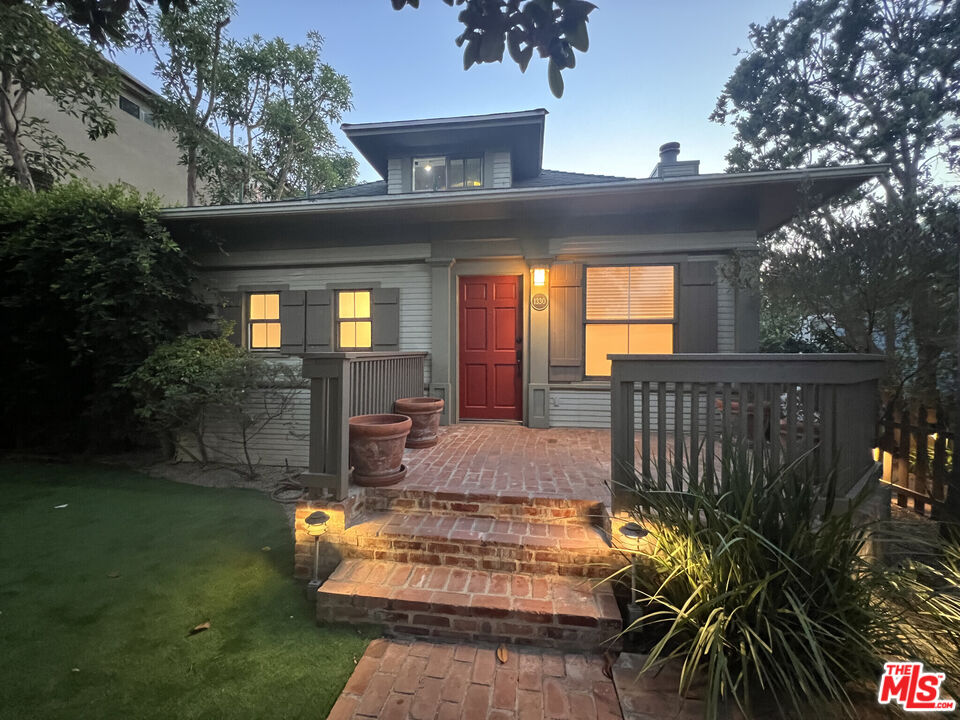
(481, 544)
(499, 506)
(477, 605)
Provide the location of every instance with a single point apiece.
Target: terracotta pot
(425, 413)
(376, 448)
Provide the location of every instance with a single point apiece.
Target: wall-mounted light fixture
(539, 277)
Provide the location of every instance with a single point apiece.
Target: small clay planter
(376, 449)
(425, 413)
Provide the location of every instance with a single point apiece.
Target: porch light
(539, 277)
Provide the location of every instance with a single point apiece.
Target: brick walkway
(571, 463)
(396, 680)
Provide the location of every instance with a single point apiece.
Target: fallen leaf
(200, 628)
(502, 654)
(60, 507)
(113, 574)
(266, 548)
(608, 664)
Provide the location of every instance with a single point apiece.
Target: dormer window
(447, 173)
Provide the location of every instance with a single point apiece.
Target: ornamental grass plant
(757, 582)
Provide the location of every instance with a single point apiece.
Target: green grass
(183, 555)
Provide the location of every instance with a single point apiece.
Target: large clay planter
(425, 414)
(376, 448)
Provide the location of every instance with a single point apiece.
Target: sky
(652, 74)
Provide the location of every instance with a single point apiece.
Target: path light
(539, 277)
(316, 526)
(633, 533)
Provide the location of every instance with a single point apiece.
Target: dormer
(456, 154)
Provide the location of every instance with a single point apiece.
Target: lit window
(443, 173)
(354, 324)
(263, 321)
(630, 310)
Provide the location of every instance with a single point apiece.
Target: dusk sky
(652, 74)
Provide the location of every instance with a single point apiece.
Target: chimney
(670, 167)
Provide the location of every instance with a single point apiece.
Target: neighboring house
(518, 281)
(139, 154)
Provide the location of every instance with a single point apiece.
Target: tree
(851, 81)
(190, 66)
(38, 56)
(554, 28)
(278, 103)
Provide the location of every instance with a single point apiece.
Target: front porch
(504, 533)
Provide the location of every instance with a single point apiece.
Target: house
(140, 154)
(521, 296)
(518, 281)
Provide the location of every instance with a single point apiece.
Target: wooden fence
(787, 405)
(346, 384)
(918, 455)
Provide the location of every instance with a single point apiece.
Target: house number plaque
(539, 301)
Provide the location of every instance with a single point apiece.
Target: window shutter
(697, 321)
(566, 321)
(386, 318)
(319, 321)
(292, 320)
(231, 310)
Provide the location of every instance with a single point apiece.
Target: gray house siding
(412, 280)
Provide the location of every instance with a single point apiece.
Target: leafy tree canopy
(40, 56)
(554, 28)
(849, 81)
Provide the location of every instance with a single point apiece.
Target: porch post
(622, 470)
(536, 348)
(441, 336)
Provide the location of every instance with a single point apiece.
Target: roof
(521, 132)
(758, 201)
(546, 178)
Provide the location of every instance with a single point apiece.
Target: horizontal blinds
(641, 292)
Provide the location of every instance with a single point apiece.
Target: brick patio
(400, 680)
(491, 459)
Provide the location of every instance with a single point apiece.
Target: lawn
(97, 600)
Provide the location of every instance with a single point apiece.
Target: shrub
(183, 384)
(761, 588)
(92, 284)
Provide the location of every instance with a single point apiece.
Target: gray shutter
(319, 321)
(386, 318)
(231, 310)
(697, 313)
(292, 320)
(566, 321)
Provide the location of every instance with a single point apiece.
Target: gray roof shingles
(546, 178)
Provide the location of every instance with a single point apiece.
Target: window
(354, 324)
(263, 321)
(446, 173)
(630, 310)
(129, 106)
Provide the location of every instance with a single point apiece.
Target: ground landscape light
(316, 523)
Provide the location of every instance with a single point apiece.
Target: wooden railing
(683, 406)
(346, 384)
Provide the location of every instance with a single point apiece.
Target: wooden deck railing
(682, 406)
(345, 384)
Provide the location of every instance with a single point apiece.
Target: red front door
(491, 343)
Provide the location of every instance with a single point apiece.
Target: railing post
(622, 469)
